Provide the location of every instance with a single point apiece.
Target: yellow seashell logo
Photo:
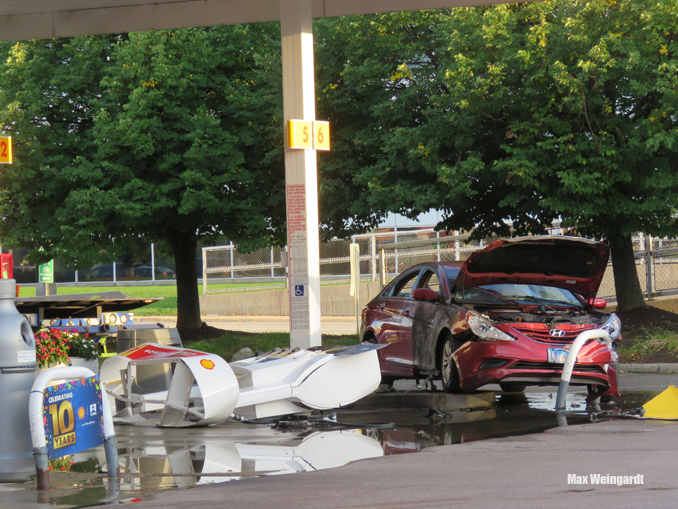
(81, 413)
(207, 364)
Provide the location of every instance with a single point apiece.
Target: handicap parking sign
(298, 290)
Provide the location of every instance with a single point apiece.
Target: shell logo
(81, 413)
(207, 364)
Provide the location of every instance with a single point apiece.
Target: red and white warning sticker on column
(296, 230)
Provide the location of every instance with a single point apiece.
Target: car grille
(541, 333)
(583, 368)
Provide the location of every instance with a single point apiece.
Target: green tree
(539, 111)
(184, 142)
(47, 92)
(363, 63)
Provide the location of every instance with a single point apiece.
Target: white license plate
(556, 355)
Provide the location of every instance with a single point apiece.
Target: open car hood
(571, 263)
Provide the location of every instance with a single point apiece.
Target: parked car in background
(105, 271)
(145, 271)
(506, 315)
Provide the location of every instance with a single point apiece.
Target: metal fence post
(114, 278)
(438, 247)
(457, 254)
(272, 269)
(649, 266)
(373, 252)
(153, 262)
(395, 241)
(232, 275)
(382, 268)
(204, 271)
(354, 291)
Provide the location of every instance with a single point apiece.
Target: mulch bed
(204, 332)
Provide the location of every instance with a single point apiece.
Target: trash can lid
(7, 289)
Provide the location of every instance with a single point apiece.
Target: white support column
(301, 179)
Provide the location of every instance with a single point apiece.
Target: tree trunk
(184, 246)
(627, 286)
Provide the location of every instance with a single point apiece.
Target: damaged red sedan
(506, 315)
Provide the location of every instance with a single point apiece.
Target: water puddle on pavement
(153, 459)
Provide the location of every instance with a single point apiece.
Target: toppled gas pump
(176, 387)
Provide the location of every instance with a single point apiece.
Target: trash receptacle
(17, 365)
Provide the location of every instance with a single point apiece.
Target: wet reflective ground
(153, 459)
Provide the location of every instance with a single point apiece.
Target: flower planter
(75, 361)
(80, 362)
(38, 371)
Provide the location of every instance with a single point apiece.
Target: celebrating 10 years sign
(73, 417)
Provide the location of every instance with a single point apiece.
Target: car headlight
(484, 329)
(612, 326)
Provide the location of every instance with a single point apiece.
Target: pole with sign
(46, 272)
(303, 137)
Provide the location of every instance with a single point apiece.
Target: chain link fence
(656, 260)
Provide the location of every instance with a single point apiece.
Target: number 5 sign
(305, 134)
(6, 150)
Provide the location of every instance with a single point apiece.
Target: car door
(397, 307)
(424, 317)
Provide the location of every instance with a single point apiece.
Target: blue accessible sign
(73, 417)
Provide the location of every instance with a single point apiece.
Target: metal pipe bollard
(572, 358)
(17, 365)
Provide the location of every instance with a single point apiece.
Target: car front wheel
(507, 387)
(448, 368)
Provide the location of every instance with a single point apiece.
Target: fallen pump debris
(177, 387)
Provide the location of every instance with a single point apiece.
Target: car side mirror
(599, 303)
(425, 295)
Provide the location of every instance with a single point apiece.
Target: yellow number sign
(308, 135)
(6, 150)
(300, 134)
(321, 135)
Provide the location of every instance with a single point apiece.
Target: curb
(649, 368)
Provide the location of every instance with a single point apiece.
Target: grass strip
(165, 307)
(649, 342)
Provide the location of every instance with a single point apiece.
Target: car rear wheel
(448, 368)
(506, 387)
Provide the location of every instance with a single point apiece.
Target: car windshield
(517, 293)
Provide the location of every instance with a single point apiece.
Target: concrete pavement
(529, 471)
(334, 325)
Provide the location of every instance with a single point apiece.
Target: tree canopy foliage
(517, 115)
(165, 135)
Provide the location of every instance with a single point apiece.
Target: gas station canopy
(40, 19)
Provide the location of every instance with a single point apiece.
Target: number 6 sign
(321, 135)
(6, 150)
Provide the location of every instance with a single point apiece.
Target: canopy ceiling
(40, 19)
